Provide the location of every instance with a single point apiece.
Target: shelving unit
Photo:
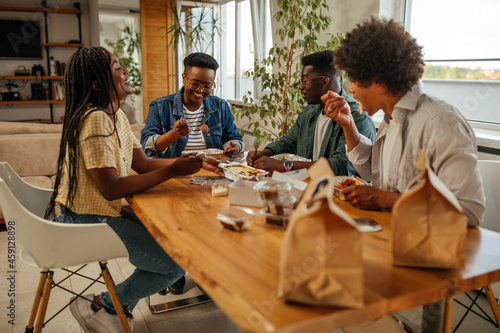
(47, 45)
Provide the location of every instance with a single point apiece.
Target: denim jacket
(166, 110)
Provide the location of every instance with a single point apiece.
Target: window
(461, 47)
(198, 30)
(242, 39)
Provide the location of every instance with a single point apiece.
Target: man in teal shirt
(315, 135)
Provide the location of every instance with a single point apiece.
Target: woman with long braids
(97, 151)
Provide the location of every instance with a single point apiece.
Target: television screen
(20, 39)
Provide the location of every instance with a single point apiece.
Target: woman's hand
(186, 165)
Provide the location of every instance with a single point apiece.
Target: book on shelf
(57, 91)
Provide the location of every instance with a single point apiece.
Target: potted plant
(124, 48)
(127, 48)
(302, 22)
(196, 27)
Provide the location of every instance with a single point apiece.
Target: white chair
(489, 173)
(47, 245)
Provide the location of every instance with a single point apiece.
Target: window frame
(479, 126)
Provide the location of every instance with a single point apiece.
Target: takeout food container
(236, 218)
(219, 189)
(272, 220)
(241, 192)
(277, 200)
(345, 181)
(290, 157)
(238, 171)
(209, 151)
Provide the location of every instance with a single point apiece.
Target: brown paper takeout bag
(321, 259)
(428, 225)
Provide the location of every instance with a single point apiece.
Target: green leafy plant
(302, 22)
(124, 49)
(196, 30)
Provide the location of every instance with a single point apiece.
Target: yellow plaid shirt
(99, 149)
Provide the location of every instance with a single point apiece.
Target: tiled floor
(206, 318)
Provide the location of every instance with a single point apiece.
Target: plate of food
(346, 181)
(290, 157)
(238, 171)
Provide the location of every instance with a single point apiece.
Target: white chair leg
(44, 301)
(36, 302)
(110, 285)
(493, 304)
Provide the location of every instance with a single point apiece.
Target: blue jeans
(155, 270)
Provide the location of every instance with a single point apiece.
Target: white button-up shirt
(440, 130)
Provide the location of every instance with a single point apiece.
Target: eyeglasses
(303, 82)
(205, 87)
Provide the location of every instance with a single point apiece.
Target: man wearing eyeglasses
(315, 135)
(191, 119)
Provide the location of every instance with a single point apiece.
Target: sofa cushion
(28, 128)
(31, 155)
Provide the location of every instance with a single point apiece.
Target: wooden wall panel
(158, 58)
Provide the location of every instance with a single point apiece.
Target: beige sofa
(32, 150)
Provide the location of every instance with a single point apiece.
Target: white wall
(62, 28)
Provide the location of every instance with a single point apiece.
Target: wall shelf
(47, 45)
(21, 77)
(32, 102)
(63, 44)
(34, 9)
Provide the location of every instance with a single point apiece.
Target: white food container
(241, 193)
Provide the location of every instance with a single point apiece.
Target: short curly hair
(321, 61)
(381, 51)
(199, 59)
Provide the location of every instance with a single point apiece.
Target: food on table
(277, 220)
(290, 157)
(219, 190)
(245, 171)
(277, 200)
(349, 182)
(232, 224)
(235, 218)
(346, 181)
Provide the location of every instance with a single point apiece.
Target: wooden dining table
(239, 270)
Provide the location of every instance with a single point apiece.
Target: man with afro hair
(384, 64)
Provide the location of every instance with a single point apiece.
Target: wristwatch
(288, 165)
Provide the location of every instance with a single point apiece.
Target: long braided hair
(88, 82)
